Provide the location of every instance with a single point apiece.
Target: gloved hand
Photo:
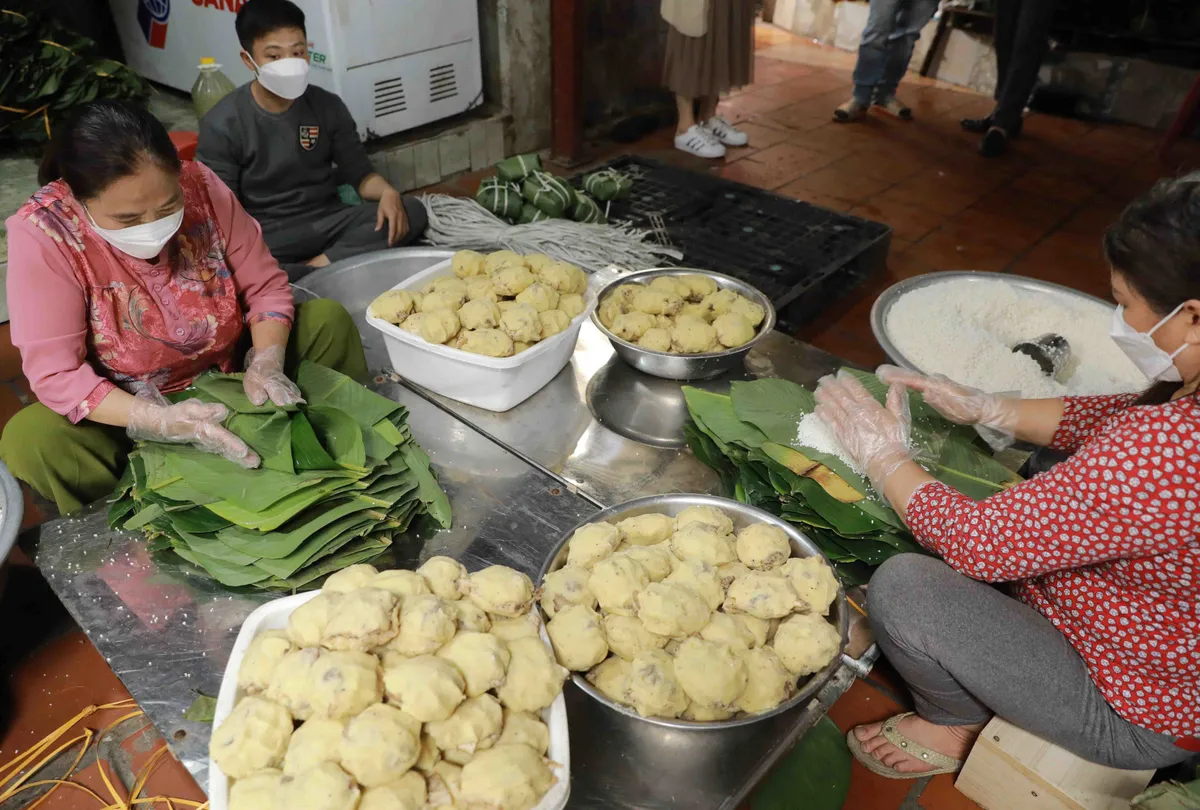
(265, 379)
(192, 422)
(875, 437)
(959, 403)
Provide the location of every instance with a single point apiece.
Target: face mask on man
(143, 241)
(1157, 364)
(286, 78)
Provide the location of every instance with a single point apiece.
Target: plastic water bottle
(211, 86)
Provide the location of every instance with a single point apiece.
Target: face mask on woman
(143, 241)
(286, 78)
(1155, 363)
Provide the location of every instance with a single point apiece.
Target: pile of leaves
(749, 438)
(48, 70)
(341, 477)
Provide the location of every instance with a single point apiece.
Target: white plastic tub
(274, 616)
(493, 383)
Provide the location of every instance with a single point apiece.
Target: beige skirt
(719, 61)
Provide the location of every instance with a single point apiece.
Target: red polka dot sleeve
(1083, 415)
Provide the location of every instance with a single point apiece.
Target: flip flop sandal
(891, 732)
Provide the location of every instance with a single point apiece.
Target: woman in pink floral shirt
(130, 274)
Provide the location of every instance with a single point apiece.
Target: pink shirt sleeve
(49, 322)
(262, 285)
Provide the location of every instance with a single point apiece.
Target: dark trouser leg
(1007, 12)
(1029, 46)
(325, 333)
(909, 21)
(358, 235)
(968, 651)
(874, 50)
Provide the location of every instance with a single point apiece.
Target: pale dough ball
(521, 346)
(479, 288)
(692, 335)
(553, 322)
(706, 515)
(344, 683)
(541, 297)
(707, 714)
(698, 286)
(505, 304)
(325, 787)
(445, 786)
(400, 582)
(290, 682)
(429, 756)
(470, 616)
(701, 578)
(806, 642)
(512, 280)
(522, 323)
(611, 677)
(616, 581)
(647, 530)
(558, 276)
(406, 793)
(699, 541)
(671, 284)
(500, 259)
(364, 619)
(479, 314)
(566, 586)
(608, 312)
(437, 301)
(254, 736)
(766, 595)
(525, 729)
(656, 560)
(393, 306)
(672, 610)
(316, 741)
(624, 295)
(508, 777)
(652, 688)
(571, 305)
(537, 262)
(711, 674)
(378, 746)
(762, 629)
(730, 571)
(534, 678)
(732, 330)
(627, 636)
(655, 339)
(763, 546)
(719, 302)
(474, 726)
(768, 684)
(425, 625)
(631, 325)
(481, 658)
(729, 630)
(467, 263)
(578, 637)
(592, 543)
(507, 629)
(439, 326)
(258, 664)
(445, 576)
(414, 323)
(451, 286)
(488, 342)
(752, 312)
(427, 687)
(350, 579)
(255, 792)
(657, 302)
(500, 590)
(813, 581)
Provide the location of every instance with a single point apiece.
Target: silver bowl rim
(888, 298)
(764, 328)
(810, 687)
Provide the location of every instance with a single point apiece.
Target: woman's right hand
(193, 422)
(957, 402)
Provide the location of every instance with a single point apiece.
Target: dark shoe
(994, 143)
(977, 125)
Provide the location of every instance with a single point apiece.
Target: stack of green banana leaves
(340, 477)
(749, 438)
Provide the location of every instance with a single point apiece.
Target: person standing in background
(710, 51)
(893, 27)
(1022, 39)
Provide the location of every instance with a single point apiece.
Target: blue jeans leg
(873, 49)
(912, 17)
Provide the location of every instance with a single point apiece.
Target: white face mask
(286, 78)
(143, 241)
(1140, 347)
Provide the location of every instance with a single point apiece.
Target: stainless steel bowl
(685, 366)
(742, 516)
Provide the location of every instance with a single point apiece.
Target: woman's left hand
(265, 379)
(875, 437)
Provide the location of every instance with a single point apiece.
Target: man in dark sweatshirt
(284, 146)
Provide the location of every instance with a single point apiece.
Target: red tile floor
(1038, 212)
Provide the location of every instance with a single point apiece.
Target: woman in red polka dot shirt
(1099, 651)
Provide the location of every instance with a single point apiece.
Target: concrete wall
(623, 51)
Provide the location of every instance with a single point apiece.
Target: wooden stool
(1011, 769)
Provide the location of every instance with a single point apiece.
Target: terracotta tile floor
(1039, 212)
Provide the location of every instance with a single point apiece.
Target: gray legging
(968, 651)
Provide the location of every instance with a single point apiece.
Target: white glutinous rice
(811, 431)
(966, 329)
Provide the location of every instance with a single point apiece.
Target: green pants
(74, 465)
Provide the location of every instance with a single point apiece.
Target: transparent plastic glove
(994, 415)
(265, 378)
(193, 422)
(877, 438)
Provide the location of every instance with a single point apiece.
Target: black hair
(257, 18)
(1155, 246)
(102, 142)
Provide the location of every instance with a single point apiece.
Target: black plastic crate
(799, 255)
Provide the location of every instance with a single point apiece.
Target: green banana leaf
(269, 435)
(773, 406)
(814, 775)
(321, 544)
(360, 550)
(227, 390)
(283, 510)
(307, 452)
(277, 545)
(324, 386)
(339, 434)
(430, 493)
(719, 420)
(232, 576)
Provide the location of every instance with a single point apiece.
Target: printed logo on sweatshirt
(308, 137)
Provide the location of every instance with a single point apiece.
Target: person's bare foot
(953, 741)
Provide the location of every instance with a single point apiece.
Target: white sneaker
(726, 132)
(700, 142)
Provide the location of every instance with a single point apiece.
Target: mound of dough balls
(495, 305)
(684, 314)
(390, 688)
(672, 615)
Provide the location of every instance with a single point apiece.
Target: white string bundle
(464, 224)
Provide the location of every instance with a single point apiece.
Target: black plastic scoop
(1050, 351)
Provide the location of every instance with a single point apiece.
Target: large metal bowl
(685, 366)
(742, 516)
